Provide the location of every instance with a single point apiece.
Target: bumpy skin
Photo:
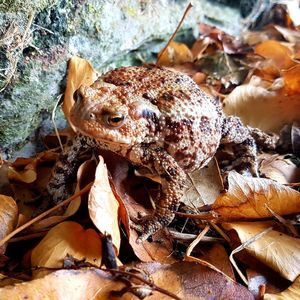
(156, 118)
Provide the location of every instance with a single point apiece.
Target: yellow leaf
(67, 238)
(275, 249)
(103, 206)
(8, 217)
(291, 293)
(250, 198)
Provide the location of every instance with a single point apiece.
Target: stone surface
(36, 41)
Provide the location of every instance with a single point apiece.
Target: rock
(37, 39)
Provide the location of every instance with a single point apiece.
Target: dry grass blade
(53, 120)
(243, 246)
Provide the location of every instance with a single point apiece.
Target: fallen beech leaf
(183, 278)
(278, 168)
(275, 249)
(291, 293)
(259, 107)
(175, 54)
(80, 72)
(25, 169)
(65, 284)
(201, 45)
(8, 217)
(274, 50)
(203, 186)
(103, 206)
(250, 198)
(292, 36)
(67, 238)
(292, 80)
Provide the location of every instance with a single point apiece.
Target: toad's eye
(114, 119)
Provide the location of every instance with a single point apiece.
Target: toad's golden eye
(114, 119)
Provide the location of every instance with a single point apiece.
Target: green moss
(25, 6)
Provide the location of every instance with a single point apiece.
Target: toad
(155, 118)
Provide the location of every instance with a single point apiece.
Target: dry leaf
(67, 238)
(189, 280)
(65, 284)
(80, 72)
(175, 54)
(275, 249)
(292, 36)
(25, 169)
(103, 206)
(292, 80)
(8, 217)
(279, 54)
(291, 293)
(259, 107)
(204, 186)
(276, 167)
(250, 198)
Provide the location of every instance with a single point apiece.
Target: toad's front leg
(173, 180)
(60, 183)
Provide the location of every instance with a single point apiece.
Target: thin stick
(175, 32)
(28, 237)
(44, 214)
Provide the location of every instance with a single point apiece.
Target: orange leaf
(274, 50)
(67, 238)
(176, 54)
(292, 80)
(249, 198)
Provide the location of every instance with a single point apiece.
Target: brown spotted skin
(155, 118)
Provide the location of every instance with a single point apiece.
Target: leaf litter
(64, 248)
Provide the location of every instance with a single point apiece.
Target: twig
(44, 214)
(28, 237)
(174, 33)
(196, 241)
(188, 237)
(204, 216)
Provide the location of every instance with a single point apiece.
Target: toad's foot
(151, 225)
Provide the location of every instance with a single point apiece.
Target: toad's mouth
(125, 142)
